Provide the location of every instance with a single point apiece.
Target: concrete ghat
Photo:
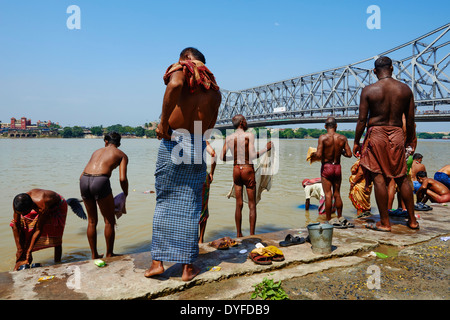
(123, 276)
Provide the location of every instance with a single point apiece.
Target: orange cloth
(359, 194)
(52, 232)
(196, 74)
(383, 151)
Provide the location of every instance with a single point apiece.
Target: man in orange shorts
(242, 147)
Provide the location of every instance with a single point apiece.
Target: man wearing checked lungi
(190, 107)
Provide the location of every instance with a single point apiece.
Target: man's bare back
(332, 146)
(202, 105)
(184, 107)
(103, 161)
(445, 169)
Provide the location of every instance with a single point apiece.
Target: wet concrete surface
(416, 267)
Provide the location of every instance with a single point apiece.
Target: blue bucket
(321, 236)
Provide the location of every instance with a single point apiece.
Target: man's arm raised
(173, 91)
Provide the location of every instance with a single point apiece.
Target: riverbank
(304, 274)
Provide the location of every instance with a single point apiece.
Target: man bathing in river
(242, 147)
(382, 107)
(331, 147)
(192, 97)
(96, 189)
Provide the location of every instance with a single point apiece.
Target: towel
(119, 205)
(308, 155)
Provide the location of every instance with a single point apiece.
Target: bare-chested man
(431, 190)
(190, 107)
(242, 147)
(33, 211)
(96, 189)
(382, 107)
(416, 166)
(330, 148)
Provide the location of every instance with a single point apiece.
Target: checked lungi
(179, 177)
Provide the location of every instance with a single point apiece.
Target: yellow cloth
(359, 195)
(269, 251)
(308, 155)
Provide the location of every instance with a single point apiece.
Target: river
(56, 164)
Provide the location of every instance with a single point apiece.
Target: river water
(56, 164)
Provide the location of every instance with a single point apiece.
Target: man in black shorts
(96, 189)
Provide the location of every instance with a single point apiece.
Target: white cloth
(119, 205)
(314, 190)
(263, 177)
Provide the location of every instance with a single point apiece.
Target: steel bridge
(420, 63)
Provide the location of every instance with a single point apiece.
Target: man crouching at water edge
(38, 223)
(191, 100)
(382, 108)
(96, 189)
(329, 150)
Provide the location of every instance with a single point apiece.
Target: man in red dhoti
(382, 108)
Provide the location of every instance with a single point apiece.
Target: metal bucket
(321, 235)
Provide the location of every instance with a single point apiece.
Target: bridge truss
(420, 63)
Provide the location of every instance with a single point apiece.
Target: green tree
(97, 131)
(77, 132)
(139, 132)
(67, 132)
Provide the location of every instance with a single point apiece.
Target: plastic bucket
(320, 235)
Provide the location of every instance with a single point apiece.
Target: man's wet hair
(237, 120)
(421, 174)
(113, 138)
(382, 63)
(195, 53)
(330, 122)
(23, 203)
(417, 156)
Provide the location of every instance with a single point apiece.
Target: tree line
(145, 131)
(79, 132)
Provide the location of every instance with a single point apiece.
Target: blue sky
(110, 71)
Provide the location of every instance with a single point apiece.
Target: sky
(110, 70)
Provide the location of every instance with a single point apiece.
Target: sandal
(345, 223)
(219, 244)
(419, 206)
(277, 253)
(230, 242)
(291, 240)
(260, 259)
(336, 223)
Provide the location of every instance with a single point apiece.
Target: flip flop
(260, 259)
(24, 266)
(291, 240)
(373, 226)
(416, 228)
